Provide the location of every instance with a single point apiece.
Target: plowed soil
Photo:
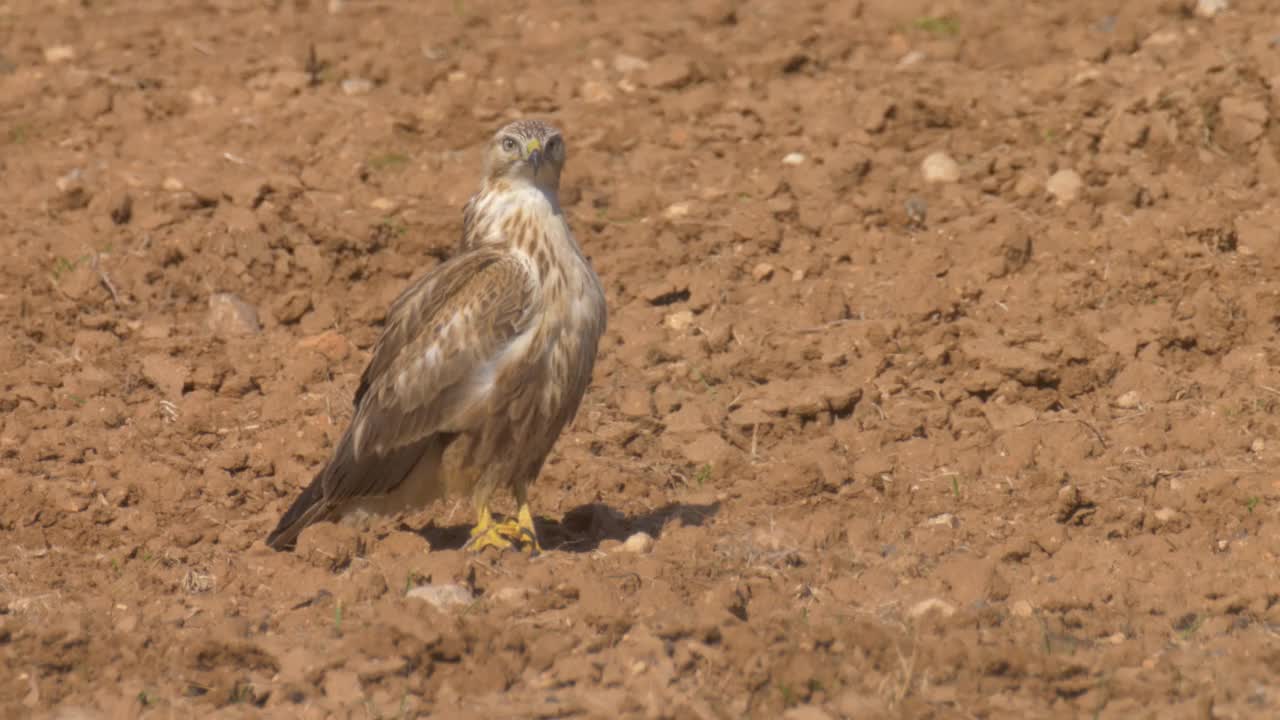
(996, 444)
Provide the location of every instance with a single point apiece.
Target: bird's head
(526, 151)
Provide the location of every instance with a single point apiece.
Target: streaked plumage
(482, 362)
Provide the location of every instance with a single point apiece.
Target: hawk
(481, 363)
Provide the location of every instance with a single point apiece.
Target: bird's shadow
(583, 528)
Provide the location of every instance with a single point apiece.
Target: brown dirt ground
(1014, 460)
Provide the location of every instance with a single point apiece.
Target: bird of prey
(481, 363)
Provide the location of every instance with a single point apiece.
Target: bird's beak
(533, 154)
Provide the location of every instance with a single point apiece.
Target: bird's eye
(509, 144)
(553, 144)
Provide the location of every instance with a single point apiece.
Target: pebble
(1257, 446)
(675, 211)
(924, 607)
(328, 343)
(230, 316)
(1129, 400)
(59, 53)
(629, 63)
(794, 158)
(939, 167)
(1210, 8)
(513, 595)
(356, 86)
(1065, 186)
(679, 320)
(383, 204)
(1023, 609)
(640, 543)
(442, 597)
(173, 184)
(762, 272)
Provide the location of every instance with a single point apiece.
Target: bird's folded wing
(448, 341)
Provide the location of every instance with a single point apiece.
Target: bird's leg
(487, 533)
(525, 531)
(518, 532)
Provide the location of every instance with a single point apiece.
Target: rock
(173, 184)
(383, 204)
(1065, 186)
(939, 167)
(1257, 446)
(639, 543)
(165, 374)
(794, 158)
(1129, 400)
(59, 53)
(442, 597)
(356, 86)
(679, 320)
(1022, 609)
(675, 211)
(669, 72)
(329, 344)
(1210, 8)
(512, 595)
(627, 64)
(762, 272)
(229, 316)
(290, 308)
(924, 607)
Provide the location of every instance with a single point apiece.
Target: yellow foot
(506, 535)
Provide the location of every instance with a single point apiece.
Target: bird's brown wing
(447, 340)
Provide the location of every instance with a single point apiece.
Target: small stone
(943, 520)
(924, 607)
(329, 344)
(1210, 8)
(794, 158)
(762, 272)
(1129, 400)
(442, 597)
(383, 204)
(939, 167)
(669, 72)
(1022, 609)
(627, 64)
(356, 86)
(675, 211)
(173, 184)
(290, 308)
(165, 374)
(1257, 446)
(640, 543)
(229, 316)
(679, 320)
(59, 53)
(1165, 515)
(1065, 186)
(512, 595)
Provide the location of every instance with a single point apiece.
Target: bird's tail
(310, 507)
